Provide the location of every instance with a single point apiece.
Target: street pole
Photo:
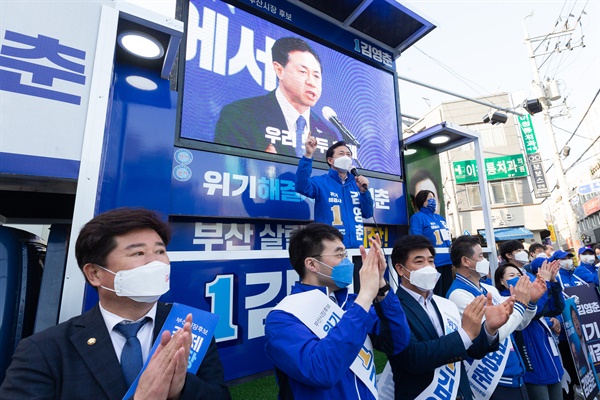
(562, 181)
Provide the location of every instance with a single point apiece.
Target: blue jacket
(341, 205)
(587, 272)
(320, 369)
(568, 278)
(540, 356)
(430, 225)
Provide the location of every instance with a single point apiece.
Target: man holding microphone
(341, 199)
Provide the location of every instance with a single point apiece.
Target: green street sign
(505, 167)
(529, 139)
(465, 171)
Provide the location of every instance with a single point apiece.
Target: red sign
(591, 206)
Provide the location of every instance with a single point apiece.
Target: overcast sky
(478, 49)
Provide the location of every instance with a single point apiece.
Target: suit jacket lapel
(92, 341)
(162, 312)
(419, 316)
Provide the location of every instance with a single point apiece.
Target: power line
(583, 118)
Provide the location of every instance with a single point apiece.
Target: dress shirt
(144, 335)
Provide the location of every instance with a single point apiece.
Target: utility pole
(545, 102)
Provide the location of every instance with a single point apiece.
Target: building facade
(513, 203)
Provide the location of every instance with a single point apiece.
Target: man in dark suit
(439, 338)
(279, 121)
(122, 254)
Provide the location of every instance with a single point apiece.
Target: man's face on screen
(300, 80)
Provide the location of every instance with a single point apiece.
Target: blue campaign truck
(86, 126)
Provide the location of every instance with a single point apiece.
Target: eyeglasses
(341, 255)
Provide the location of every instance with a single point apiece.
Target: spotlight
(141, 45)
(495, 118)
(533, 106)
(440, 139)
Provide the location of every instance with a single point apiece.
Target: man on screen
(279, 121)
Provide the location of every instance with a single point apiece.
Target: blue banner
(582, 359)
(217, 185)
(203, 329)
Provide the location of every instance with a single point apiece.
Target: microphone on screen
(331, 116)
(354, 172)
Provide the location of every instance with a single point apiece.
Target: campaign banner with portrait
(231, 96)
(588, 309)
(581, 357)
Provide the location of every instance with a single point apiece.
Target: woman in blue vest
(429, 223)
(537, 349)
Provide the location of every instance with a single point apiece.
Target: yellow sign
(552, 233)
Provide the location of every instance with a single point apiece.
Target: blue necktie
(300, 125)
(131, 356)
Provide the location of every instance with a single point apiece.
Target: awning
(509, 233)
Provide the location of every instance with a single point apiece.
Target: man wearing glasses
(321, 338)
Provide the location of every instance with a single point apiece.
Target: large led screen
(235, 94)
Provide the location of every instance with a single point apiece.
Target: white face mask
(566, 264)
(143, 284)
(343, 163)
(522, 257)
(587, 258)
(541, 255)
(425, 278)
(481, 267)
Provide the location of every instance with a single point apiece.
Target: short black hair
(500, 273)
(307, 241)
(536, 246)
(421, 197)
(97, 238)
(332, 148)
(285, 45)
(404, 245)
(508, 247)
(597, 246)
(461, 247)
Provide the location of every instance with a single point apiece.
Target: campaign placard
(203, 329)
(581, 356)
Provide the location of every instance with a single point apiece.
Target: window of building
(473, 196)
(501, 192)
(491, 135)
(504, 192)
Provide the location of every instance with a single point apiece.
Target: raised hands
(472, 317)
(165, 375)
(496, 316)
(371, 273)
(549, 270)
(310, 145)
(538, 288)
(521, 290)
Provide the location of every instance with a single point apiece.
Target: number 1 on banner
(438, 237)
(337, 215)
(221, 292)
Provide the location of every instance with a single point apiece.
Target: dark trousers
(445, 281)
(567, 360)
(510, 393)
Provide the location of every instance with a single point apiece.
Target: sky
(478, 49)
